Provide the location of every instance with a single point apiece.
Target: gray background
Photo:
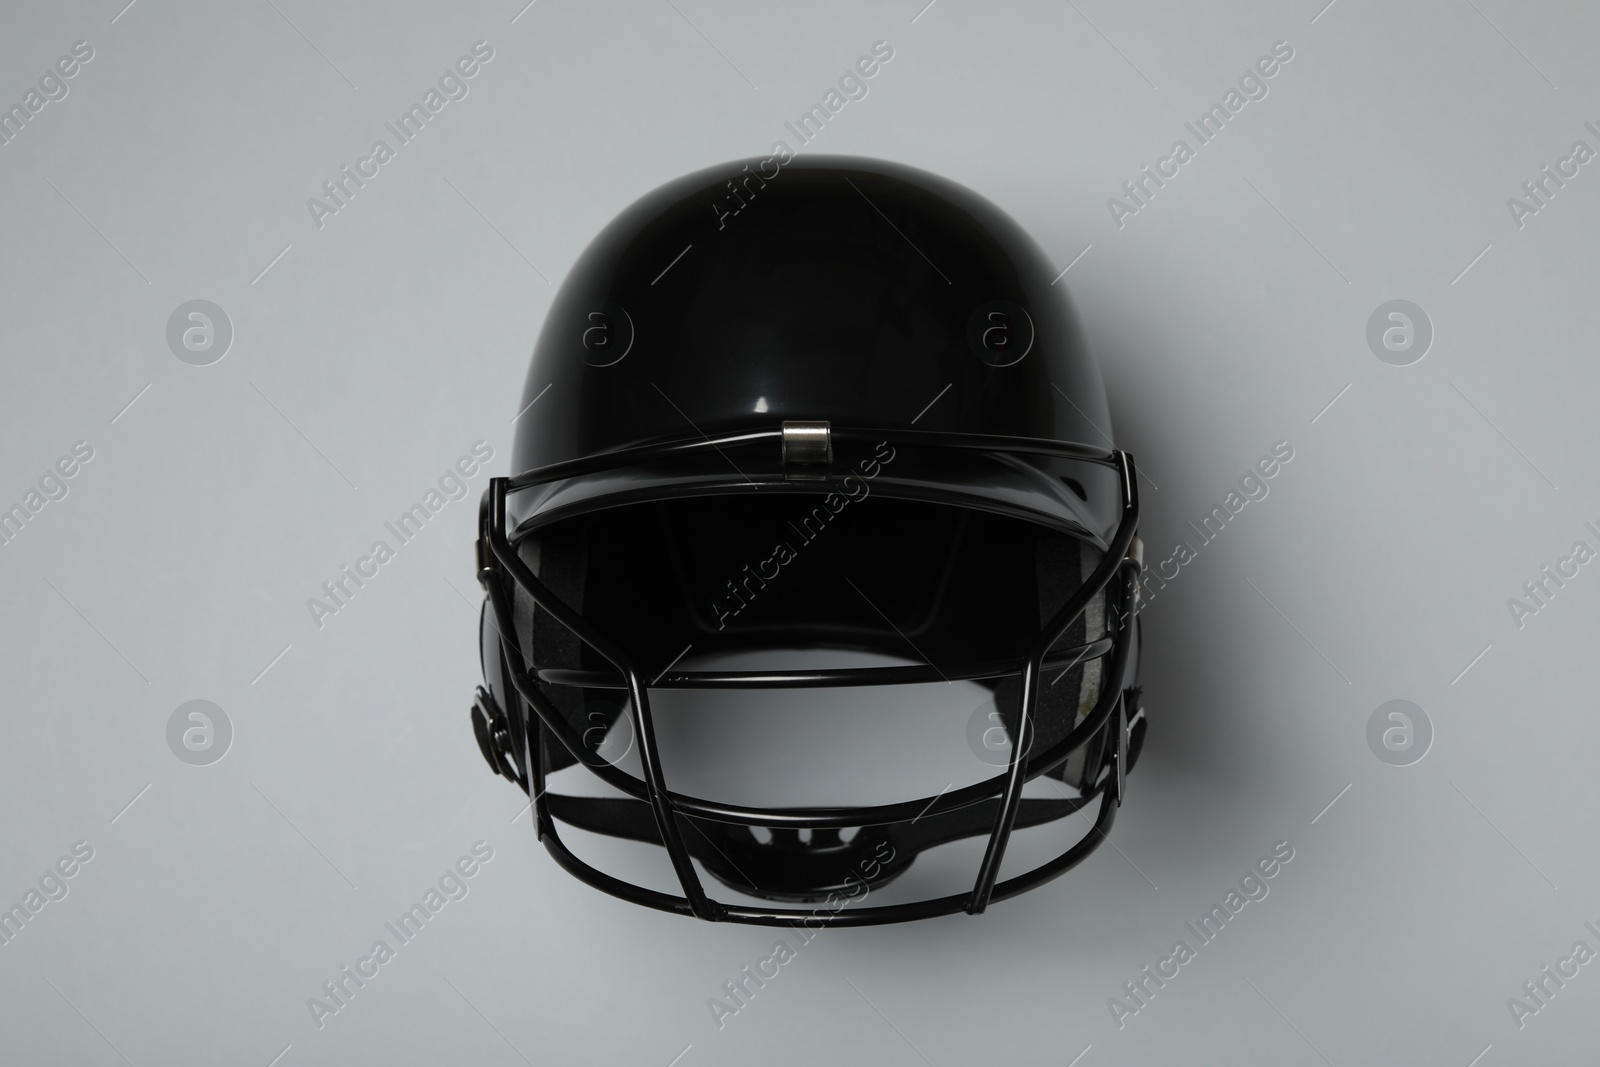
(1227, 315)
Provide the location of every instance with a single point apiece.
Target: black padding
(1066, 696)
(559, 557)
(927, 581)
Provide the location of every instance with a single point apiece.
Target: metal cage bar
(832, 678)
(649, 756)
(667, 806)
(798, 818)
(1066, 616)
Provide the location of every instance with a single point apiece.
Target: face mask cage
(887, 837)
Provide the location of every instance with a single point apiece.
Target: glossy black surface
(846, 289)
(919, 322)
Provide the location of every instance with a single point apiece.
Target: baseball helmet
(810, 429)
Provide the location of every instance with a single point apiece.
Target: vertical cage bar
(1011, 800)
(660, 803)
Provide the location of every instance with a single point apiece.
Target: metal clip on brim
(807, 444)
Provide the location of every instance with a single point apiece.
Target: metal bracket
(484, 555)
(1119, 781)
(493, 732)
(808, 443)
